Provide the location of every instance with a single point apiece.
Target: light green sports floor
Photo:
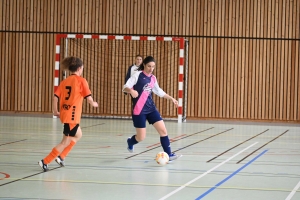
(221, 160)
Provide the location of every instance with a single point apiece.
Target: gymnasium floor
(225, 161)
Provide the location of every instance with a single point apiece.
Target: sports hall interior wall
(243, 56)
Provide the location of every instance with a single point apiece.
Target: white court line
(202, 175)
(293, 191)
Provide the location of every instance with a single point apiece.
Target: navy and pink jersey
(144, 85)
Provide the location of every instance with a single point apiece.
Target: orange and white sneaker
(60, 161)
(43, 165)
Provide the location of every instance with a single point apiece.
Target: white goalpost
(106, 59)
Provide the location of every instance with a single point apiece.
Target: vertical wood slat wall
(243, 55)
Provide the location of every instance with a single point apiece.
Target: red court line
(171, 140)
(5, 174)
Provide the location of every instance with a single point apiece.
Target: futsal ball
(162, 158)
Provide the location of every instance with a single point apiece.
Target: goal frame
(181, 41)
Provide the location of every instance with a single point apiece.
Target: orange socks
(52, 155)
(67, 150)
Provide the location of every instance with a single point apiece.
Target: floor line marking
(12, 142)
(293, 191)
(170, 142)
(207, 172)
(231, 175)
(203, 140)
(237, 145)
(261, 147)
(92, 125)
(27, 177)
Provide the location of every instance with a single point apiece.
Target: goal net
(106, 59)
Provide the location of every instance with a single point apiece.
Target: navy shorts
(139, 121)
(69, 132)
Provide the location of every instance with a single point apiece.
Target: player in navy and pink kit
(140, 85)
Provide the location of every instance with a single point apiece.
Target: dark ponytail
(145, 61)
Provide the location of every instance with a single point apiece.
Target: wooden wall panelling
(174, 30)
(6, 16)
(92, 12)
(38, 22)
(131, 13)
(8, 65)
(114, 73)
(35, 65)
(214, 80)
(114, 26)
(2, 71)
(251, 85)
(82, 17)
(29, 78)
(2, 14)
(104, 21)
(30, 73)
(221, 30)
(93, 63)
(46, 77)
(272, 61)
(8, 90)
(152, 30)
(107, 89)
(60, 16)
(284, 86)
(291, 61)
(293, 82)
(260, 66)
(120, 16)
(240, 65)
(203, 63)
(64, 16)
(255, 79)
(50, 73)
(226, 85)
(24, 70)
(207, 54)
(195, 81)
(297, 77)
(118, 73)
(210, 63)
(246, 22)
(290, 66)
(41, 63)
(234, 81)
(188, 78)
(233, 71)
(139, 16)
(277, 72)
(88, 15)
(69, 15)
(265, 77)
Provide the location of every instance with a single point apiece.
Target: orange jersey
(71, 92)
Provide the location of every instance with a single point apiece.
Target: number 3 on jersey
(69, 92)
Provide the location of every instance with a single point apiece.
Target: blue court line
(234, 173)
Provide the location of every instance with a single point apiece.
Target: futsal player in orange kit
(71, 93)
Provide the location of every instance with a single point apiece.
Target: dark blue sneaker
(130, 148)
(173, 157)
